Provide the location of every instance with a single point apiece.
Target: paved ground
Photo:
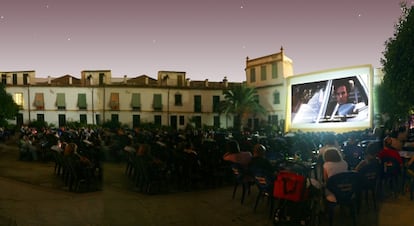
(31, 195)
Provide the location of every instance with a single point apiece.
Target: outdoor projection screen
(312, 103)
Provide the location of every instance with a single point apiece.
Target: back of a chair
(390, 168)
(344, 186)
(370, 174)
(263, 179)
(238, 171)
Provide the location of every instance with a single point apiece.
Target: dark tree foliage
(396, 93)
(8, 108)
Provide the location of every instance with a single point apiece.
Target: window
(276, 98)
(136, 120)
(274, 70)
(25, 79)
(62, 120)
(157, 120)
(178, 100)
(252, 74)
(180, 80)
(82, 101)
(4, 79)
(216, 121)
(173, 122)
(60, 101)
(18, 99)
(39, 101)
(136, 101)
(98, 119)
(157, 102)
(14, 79)
(181, 119)
(197, 121)
(83, 119)
(216, 103)
(263, 72)
(273, 119)
(114, 102)
(101, 79)
(40, 117)
(114, 118)
(197, 103)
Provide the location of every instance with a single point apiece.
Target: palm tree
(241, 101)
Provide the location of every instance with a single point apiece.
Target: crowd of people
(188, 156)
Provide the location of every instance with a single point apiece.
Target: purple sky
(208, 39)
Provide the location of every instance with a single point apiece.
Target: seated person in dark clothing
(259, 162)
(370, 155)
(352, 152)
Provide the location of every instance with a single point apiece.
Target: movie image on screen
(330, 101)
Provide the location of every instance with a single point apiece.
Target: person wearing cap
(259, 160)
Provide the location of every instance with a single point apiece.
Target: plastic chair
(346, 188)
(370, 179)
(242, 178)
(390, 175)
(264, 182)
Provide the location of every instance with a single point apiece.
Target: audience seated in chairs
(345, 186)
(150, 171)
(28, 151)
(352, 152)
(263, 173)
(333, 164)
(392, 162)
(369, 168)
(240, 164)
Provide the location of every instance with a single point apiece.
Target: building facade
(171, 99)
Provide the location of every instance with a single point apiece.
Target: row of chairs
(77, 177)
(349, 189)
(145, 177)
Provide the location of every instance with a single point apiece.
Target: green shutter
(157, 104)
(60, 100)
(136, 100)
(263, 72)
(82, 100)
(274, 70)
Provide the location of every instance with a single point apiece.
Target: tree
(396, 92)
(241, 101)
(9, 109)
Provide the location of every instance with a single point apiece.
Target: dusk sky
(208, 39)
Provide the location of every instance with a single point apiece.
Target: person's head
(232, 146)
(332, 155)
(71, 148)
(342, 92)
(372, 150)
(329, 139)
(259, 150)
(143, 149)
